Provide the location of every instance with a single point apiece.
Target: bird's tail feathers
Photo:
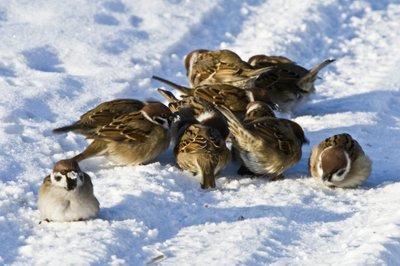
(168, 95)
(312, 75)
(180, 88)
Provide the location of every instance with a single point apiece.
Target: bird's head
(334, 165)
(67, 174)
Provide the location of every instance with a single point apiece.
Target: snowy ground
(60, 58)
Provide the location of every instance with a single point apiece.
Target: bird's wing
(132, 128)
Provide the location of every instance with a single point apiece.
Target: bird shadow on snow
(44, 58)
(6, 72)
(391, 253)
(108, 16)
(169, 217)
(378, 101)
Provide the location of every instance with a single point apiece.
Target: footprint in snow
(3, 15)
(114, 46)
(115, 6)
(44, 58)
(120, 45)
(6, 72)
(105, 19)
(71, 87)
(135, 21)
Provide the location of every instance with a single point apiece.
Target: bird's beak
(327, 177)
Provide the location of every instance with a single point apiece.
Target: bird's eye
(340, 172)
(164, 115)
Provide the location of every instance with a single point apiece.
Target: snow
(60, 58)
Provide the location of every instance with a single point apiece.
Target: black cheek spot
(57, 178)
(159, 120)
(340, 172)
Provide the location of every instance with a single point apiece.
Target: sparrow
(265, 145)
(234, 98)
(339, 161)
(131, 138)
(101, 115)
(200, 148)
(220, 66)
(288, 84)
(67, 194)
(198, 108)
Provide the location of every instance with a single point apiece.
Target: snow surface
(60, 58)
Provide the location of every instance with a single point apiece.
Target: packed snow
(58, 59)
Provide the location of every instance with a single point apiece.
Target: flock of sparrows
(230, 100)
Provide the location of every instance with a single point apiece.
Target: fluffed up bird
(220, 66)
(67, 194)
(339, 161)
(234, 98)
(200, 148)
(288, 84)
(265, 145)
(131, 138)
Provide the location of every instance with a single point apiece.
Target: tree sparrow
(265, 145)
(220, 66)
(131, 138)
(200, 148)
(101, 115)
(67, 194)
(339, 161)
(288, 84)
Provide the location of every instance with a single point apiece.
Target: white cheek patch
(253, 107)
(250, 96)
(148, 117)
(205, 115)
(72, 175)
(61, 183)
(165, 123)
(339, 178)
(319, 167)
